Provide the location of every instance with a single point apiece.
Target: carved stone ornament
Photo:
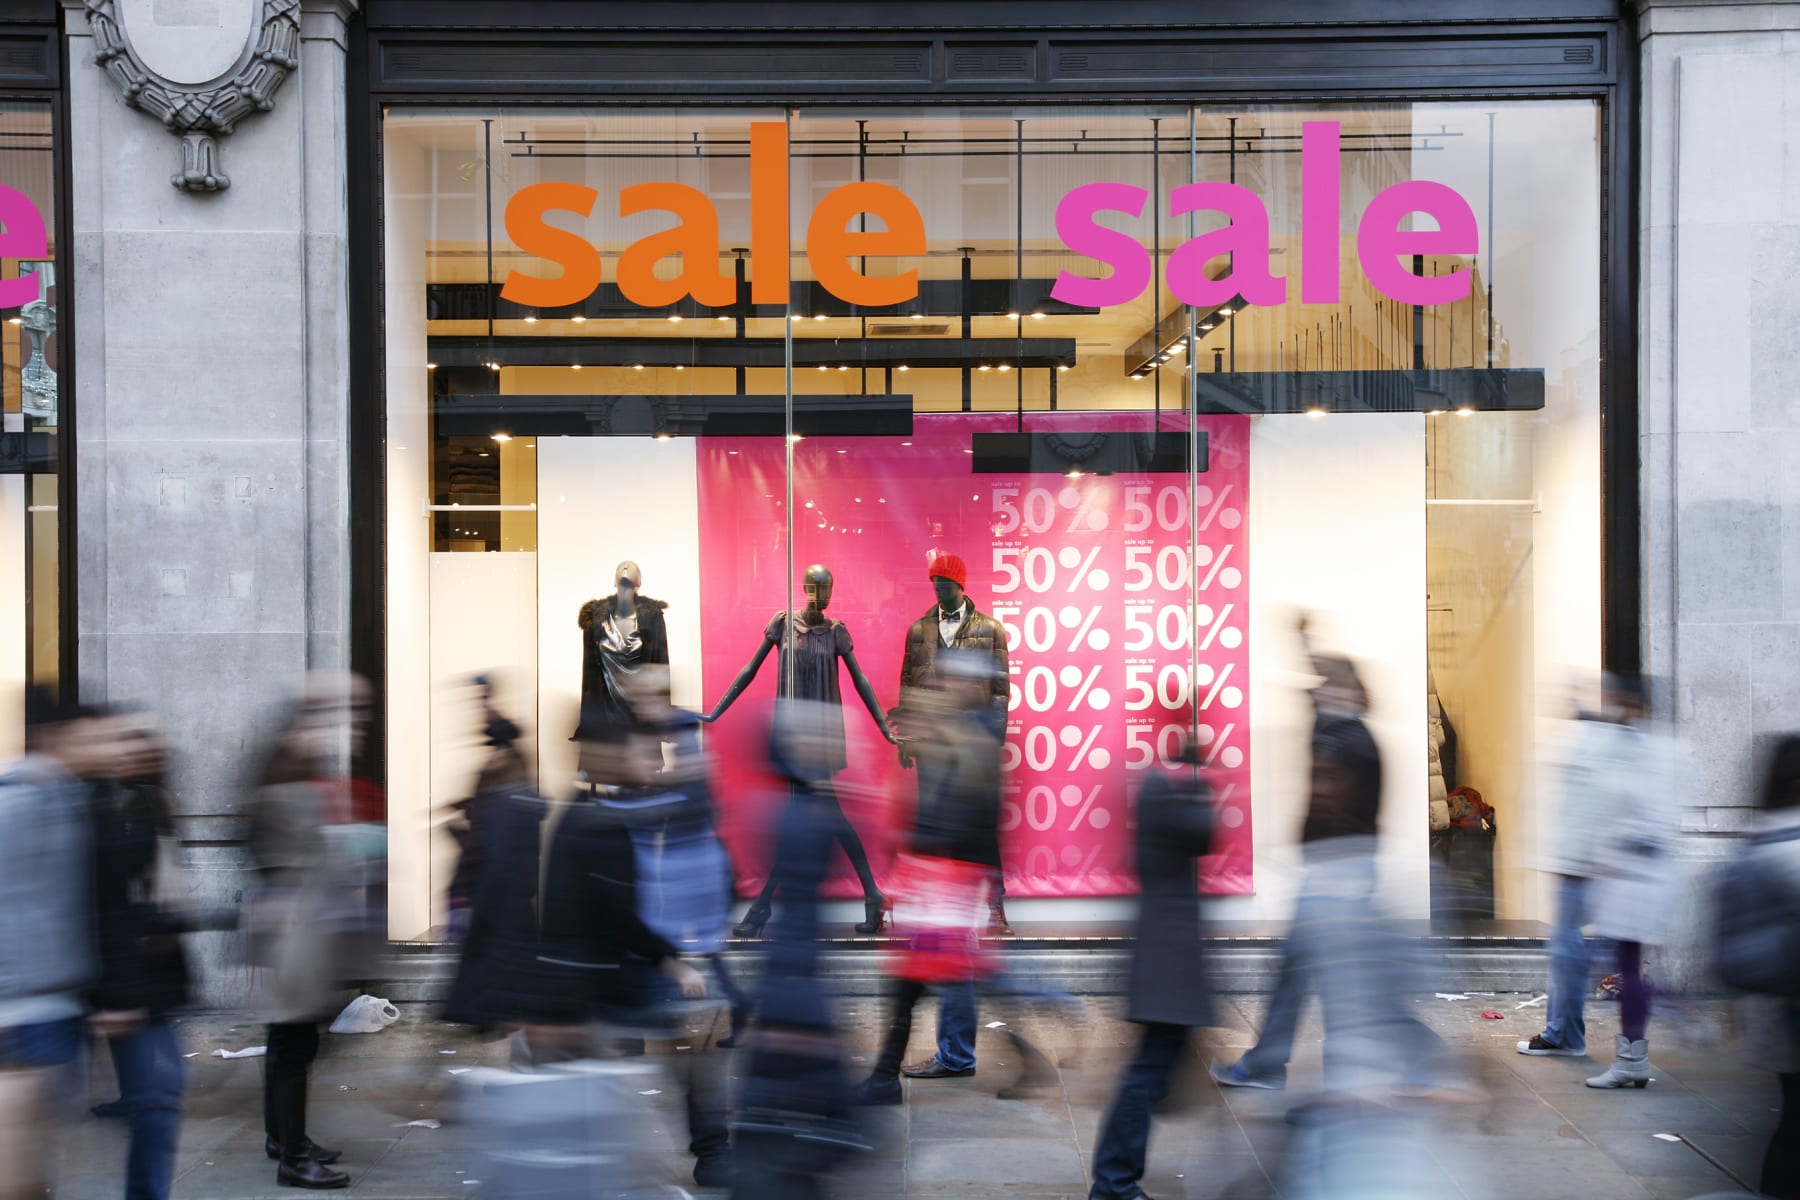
(200, 67)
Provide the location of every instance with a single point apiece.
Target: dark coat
(597, 700)
(1168, 970)
(593, 950)
(1345, 790)
(506, 830)
(141, 961)
(980, 633)
(959, 790)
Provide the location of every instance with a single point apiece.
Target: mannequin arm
(867, 691)
(740, 683)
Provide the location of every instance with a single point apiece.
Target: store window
(1154, 379)
(30, 408)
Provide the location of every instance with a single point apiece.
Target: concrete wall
(212, 386)
(1719, 426)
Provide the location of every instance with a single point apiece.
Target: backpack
(1756, 932)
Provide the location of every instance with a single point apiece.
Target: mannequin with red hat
(811, 646)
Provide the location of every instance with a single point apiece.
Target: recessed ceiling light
(578, 319)
(1012, 316)
(843, 368)
(902, 367)
(431, 366)
(1037, 316)
(680, 366)
(1005, 366)
(674, 318)
(819, 316)
(722, 317)
(1062, 366)
(531, 320)
(637, 366)
(918, 316)
(984, 367)
(502, 437)
(574, 366)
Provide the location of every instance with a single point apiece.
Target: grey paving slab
(1023, 1163)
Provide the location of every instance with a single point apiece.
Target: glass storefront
(1156, 379)
(30, 357)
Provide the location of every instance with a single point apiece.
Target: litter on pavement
(426, 1123)
(1451, 996)
(1491, 1015)
(246, 1052)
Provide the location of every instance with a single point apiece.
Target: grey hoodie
(48, 951)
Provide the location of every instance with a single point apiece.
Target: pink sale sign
(1123, 598)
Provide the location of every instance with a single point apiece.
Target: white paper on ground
(996, 1024)
(1451, 996)
(1665, 1137)
(1530, 1003)
(246, 1052)
(426, 1123)
(461, 1070)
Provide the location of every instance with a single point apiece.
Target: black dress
(612, 650)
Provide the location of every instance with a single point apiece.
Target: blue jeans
(1268, 1059)
(150, 1086)
(956, 1026)
(45, 1044)
(1569, 962)
(1125, 1141)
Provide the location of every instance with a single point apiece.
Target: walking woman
(312, 925)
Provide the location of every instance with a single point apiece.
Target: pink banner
(1090, 575)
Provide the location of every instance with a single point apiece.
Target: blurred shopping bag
(940, 910)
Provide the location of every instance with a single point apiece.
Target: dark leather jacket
(980, 633)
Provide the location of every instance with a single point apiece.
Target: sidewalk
(1541, 1135)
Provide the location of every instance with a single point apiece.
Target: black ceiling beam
(876, 415)
(1462, 390)
(940, 299)
(853, 352)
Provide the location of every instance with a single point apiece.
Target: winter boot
(1630, 1066)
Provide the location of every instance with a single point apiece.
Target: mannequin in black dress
(811, 645)
(619, 634)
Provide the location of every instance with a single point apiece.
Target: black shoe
(934, 1068)
(314, 1151)
(874, 914)
(309, 1173)
(112, 1108)
(753, 922)
(713, 1171)
(877, 1091)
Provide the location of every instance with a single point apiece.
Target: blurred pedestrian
(49, 952)
(794, 1122)
(946, 881)
(1611, 844)
(312, 927)
(143, 914)
(1757, 951)
(600, 973)
(501, 835)
(1169, 993)
(1341, 947)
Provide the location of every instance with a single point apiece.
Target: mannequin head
(948, 576)
(817, 584)
(628, 579)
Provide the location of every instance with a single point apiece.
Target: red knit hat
(949, 566)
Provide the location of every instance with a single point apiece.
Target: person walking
(1169, 994)
(1756, 945)
(309, 920)
(143, 970)
(1340, 945)
(948, 875)
(1611, 847)
(49, 955)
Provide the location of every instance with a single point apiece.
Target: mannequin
(811, 645)
(619, 634)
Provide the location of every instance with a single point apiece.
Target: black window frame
(482, 54)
